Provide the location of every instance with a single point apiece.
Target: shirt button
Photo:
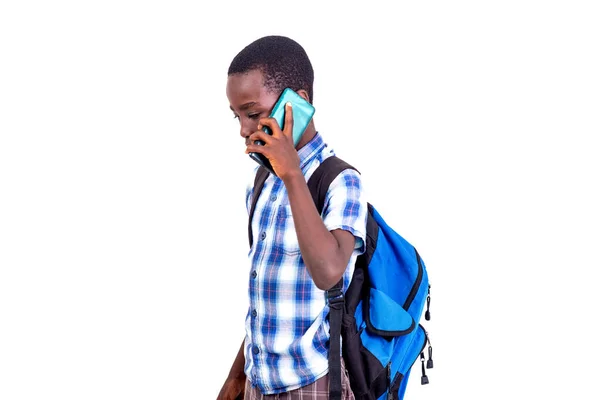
(255, 349)
(273, 198)
(254, 274)
(263, 236)
(254, 313)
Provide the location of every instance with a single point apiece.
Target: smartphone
(303, 112)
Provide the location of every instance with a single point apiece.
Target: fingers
(256, 148)
(272, 124)
(274, 139)
(262, 148)
(260, 135)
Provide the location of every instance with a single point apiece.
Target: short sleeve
(346, 207)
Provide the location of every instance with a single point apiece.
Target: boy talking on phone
(296, 254)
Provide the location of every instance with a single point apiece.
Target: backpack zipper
(390, 395)
(424, 378)
(415, 288)
(427, 313)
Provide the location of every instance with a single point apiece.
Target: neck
(308, 135)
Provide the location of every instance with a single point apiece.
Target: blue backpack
(378, 318)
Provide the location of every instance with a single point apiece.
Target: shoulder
(349, 177)
(348, 185)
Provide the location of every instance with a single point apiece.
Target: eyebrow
(245, 106)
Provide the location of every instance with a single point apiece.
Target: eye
(254, 115)
(235, 116)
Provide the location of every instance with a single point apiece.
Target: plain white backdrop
(122, 222)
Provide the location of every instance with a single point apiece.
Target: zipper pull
(429, 352)
(430, 361)
(427, 313)
(390, 396)
(424, 378)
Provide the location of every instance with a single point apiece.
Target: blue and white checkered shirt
(287, 330)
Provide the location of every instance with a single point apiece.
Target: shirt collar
(310, 150)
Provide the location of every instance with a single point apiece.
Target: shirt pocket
(286, 239)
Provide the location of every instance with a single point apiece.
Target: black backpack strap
(326, 172)
(318, 184)
(259, 180)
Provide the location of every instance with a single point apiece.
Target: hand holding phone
(303, 112)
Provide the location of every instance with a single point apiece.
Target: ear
(304, 94)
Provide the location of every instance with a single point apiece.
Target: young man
(297, 254)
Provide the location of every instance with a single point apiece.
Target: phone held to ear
(303, 112)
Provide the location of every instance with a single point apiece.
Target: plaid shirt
(287, 330)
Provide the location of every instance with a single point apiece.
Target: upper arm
(346, 243)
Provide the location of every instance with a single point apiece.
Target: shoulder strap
(318, 184)
(259, 180)
(326, 172)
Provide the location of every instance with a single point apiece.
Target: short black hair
(283, 62)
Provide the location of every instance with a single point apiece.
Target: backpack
(378, 318)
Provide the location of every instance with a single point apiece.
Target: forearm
(237, 369)
(320, 249)
(233, 388)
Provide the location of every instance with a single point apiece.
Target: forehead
(245, 87)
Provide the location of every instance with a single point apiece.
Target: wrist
(292, 176)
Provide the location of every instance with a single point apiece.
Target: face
(249, 100)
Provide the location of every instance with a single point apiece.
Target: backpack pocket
(371, 338)
(385, 317)
(406, 353)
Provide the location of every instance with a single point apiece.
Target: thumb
(288, 125)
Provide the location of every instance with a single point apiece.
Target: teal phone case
(302, 111)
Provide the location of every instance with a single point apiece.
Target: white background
(122, 176)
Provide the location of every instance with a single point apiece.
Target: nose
(245, 129)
